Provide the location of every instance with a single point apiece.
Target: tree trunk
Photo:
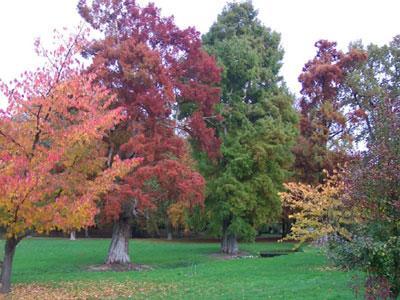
(169, 231)
(86, 232)
(118, 253)
(283, 228)
(286, 226)
(6, 268)
(72, 235)
(229, 244)
(169, 236)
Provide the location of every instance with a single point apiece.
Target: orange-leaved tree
(326, 126)
(52, 152)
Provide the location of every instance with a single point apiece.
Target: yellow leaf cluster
(176, 214)
(317, 211)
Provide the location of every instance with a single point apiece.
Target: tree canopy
(52, 154)
(325, 130)
(167, 85)
(258, 129)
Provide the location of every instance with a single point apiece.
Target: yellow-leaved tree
(317, 211)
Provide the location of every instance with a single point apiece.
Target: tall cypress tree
(258, 129)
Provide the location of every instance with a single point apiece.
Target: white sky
(301, 23)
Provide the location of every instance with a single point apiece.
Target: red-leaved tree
(167, 85)
(324, 127)
(52, 154)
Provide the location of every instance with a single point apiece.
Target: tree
(373, 181)
(172, 205)
(318, 211)
(258, 129)
(369, 94)
(372, 187)
(325, 134)
(52, 166)
(368, 83)
(168, 86)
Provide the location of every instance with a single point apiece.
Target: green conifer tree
(258, 129)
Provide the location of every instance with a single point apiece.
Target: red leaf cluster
(323, 122)
(168, 86)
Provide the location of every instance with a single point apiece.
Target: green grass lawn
(181, 270)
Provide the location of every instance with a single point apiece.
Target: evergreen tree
(258, 129)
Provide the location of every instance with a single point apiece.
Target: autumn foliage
(324, 127)
(373, 188)
(348, 97)
(52, 154)
(117, 129)
(166, 84)
(317, 211)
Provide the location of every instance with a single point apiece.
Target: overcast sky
(300, 23)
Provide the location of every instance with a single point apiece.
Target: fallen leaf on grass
(86, 290)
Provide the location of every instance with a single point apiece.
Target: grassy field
(51, 268)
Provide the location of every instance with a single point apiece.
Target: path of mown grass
(180, 271)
